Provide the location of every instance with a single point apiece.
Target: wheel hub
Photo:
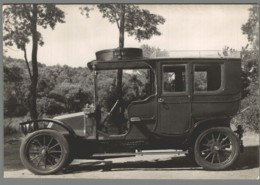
(216, 148)
(44, 152)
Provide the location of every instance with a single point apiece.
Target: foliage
(72, 95)
(151, 52)
(251, 52)
(18, 22)
(249, 116)
(11, 126)
(49, 106)
(251, 27)
(15, 85)
(61, 89)
(140, 23)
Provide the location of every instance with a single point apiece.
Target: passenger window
(207, 77)
(174, 78)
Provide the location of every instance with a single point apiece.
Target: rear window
(207, 77)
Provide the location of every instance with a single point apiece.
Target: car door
(174, 100)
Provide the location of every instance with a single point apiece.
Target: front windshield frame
(103, 66)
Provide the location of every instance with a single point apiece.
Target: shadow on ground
(174, 163)
(247, 160)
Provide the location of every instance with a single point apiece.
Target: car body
(190, 104)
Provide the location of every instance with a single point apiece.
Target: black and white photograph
(131, 91)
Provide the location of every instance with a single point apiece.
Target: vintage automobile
(180, 103)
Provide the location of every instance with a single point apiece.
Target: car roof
(145, 62)
(134, 57)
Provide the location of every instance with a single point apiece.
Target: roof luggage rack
(196, 54)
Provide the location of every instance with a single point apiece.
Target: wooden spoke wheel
(44, 152)
(216, 148)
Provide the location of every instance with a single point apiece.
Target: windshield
(137, 85)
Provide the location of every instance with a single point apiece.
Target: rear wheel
(216, 148)
(44, 152)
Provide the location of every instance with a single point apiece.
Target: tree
(249, 115)
(250, 111)
(251, 51)
(150, 51)
(135, 21)
(251, 27)
(21, 23)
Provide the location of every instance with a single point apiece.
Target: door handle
(160, 100)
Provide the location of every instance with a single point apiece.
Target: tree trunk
(122, 27)
(121, 45)
(33, 88)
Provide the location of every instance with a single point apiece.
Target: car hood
(69, 116)
(74, 120)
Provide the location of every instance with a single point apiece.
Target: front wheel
(216, 148)
(44, 152)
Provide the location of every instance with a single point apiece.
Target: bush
(11, 125)
(248, 116)
(49, 106)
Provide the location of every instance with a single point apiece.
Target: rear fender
(202, 125)
(28, 126)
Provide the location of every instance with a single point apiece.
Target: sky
(187, 27)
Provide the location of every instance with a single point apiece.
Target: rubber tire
(69, 161)
(235, 143)
(64, 145)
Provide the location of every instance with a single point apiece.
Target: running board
(137, 153)
(112, 155)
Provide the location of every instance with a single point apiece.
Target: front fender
(28, 126)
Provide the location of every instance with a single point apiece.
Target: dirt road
(141, 167)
